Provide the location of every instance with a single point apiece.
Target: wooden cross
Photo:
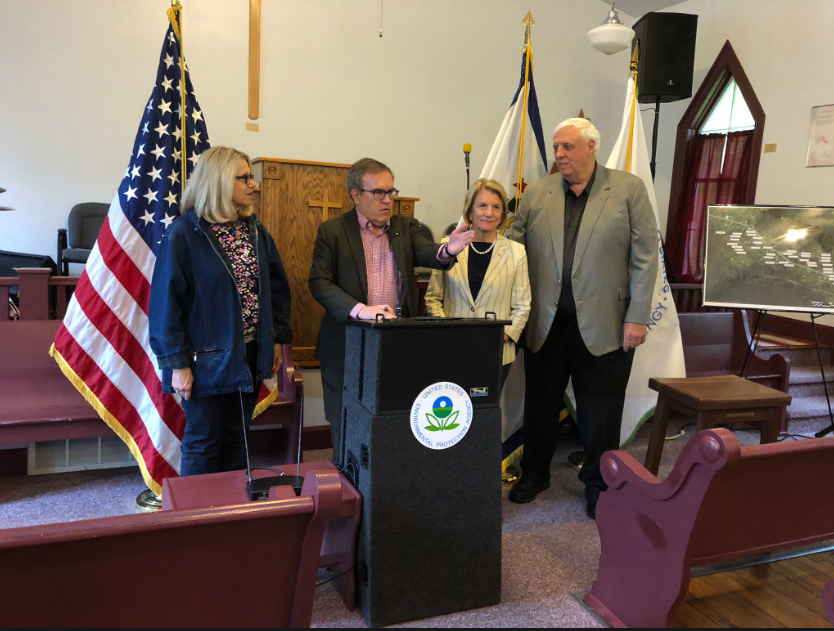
(325, 207)
(254, 58)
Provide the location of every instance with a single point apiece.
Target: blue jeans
(213, 440)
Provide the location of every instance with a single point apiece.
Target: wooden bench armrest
(828, 600)
(644, 529)
(774, 367)
(712, 449)
(289, 378)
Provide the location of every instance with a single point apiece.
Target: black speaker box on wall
(666, 56)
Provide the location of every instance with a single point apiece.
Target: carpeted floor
(550, 548)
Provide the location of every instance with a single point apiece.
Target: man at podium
(363, 266)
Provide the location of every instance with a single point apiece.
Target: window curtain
(709, 183)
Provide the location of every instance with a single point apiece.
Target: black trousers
(213, 440)
(599, 384)
(333, 386)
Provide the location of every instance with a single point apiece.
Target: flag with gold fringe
(102, 346)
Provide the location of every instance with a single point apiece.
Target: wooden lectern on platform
(293, 198)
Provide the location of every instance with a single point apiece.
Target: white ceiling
(637, 8)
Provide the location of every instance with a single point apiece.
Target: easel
(754, 342)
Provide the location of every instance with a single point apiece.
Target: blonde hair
(484, 184)
(209, 189)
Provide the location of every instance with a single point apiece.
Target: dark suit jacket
(339, 277)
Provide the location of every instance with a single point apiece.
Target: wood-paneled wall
(293, 198)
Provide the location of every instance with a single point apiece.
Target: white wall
(76, 75)
(787, 51)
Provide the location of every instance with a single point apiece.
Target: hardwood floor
(781, 594)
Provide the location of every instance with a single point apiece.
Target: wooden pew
(250, 565)
(39, 403)
(721, 502)
(828, 600)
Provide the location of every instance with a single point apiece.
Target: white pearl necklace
(477, 251)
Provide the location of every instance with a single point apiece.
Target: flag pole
(148, 500)
(175, 16)
(528, 22)
(632, 68)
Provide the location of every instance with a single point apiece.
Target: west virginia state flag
(518, 155)
(517, 158)
(662, 354)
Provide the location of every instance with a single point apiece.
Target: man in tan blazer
(591, 240)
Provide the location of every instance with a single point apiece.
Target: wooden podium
(293, 198)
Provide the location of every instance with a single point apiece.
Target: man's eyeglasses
(246, 179)
(379, 194)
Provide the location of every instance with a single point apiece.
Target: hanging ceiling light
(612, 36)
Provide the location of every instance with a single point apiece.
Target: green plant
(442, 424)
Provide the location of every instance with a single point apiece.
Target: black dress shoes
(525, 490)
(591, 499)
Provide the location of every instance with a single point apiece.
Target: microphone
(467, 148)
(399, 287)
(399, 290)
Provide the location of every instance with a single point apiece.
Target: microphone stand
(258, 488)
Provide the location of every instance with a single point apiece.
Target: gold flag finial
(528, 21)
(582, 115)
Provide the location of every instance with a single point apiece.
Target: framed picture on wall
(821, 137)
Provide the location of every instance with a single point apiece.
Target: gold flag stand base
(148, 501)
(510, 475)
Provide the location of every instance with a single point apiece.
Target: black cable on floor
(333, 578)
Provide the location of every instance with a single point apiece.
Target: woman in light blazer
(491, 273)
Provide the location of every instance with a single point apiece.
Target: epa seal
(441, 415)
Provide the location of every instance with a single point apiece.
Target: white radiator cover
(80, 454)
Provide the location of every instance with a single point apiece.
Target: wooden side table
(714, 401)
(227, 489)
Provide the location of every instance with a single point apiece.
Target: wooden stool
(714, 401)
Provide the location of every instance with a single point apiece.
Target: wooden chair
(721, 502)
(716, 344)
(714, 401)
(238, 566)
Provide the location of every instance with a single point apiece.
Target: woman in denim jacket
(219, 310)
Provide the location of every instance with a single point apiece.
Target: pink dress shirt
(383, 276)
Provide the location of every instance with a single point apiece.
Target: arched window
(716, 160)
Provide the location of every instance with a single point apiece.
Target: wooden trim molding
(725, 67)
(799, 329)
(285, 161)
(317, 437)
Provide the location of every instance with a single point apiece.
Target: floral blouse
(236, 243)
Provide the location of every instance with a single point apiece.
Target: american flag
(102, 345)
